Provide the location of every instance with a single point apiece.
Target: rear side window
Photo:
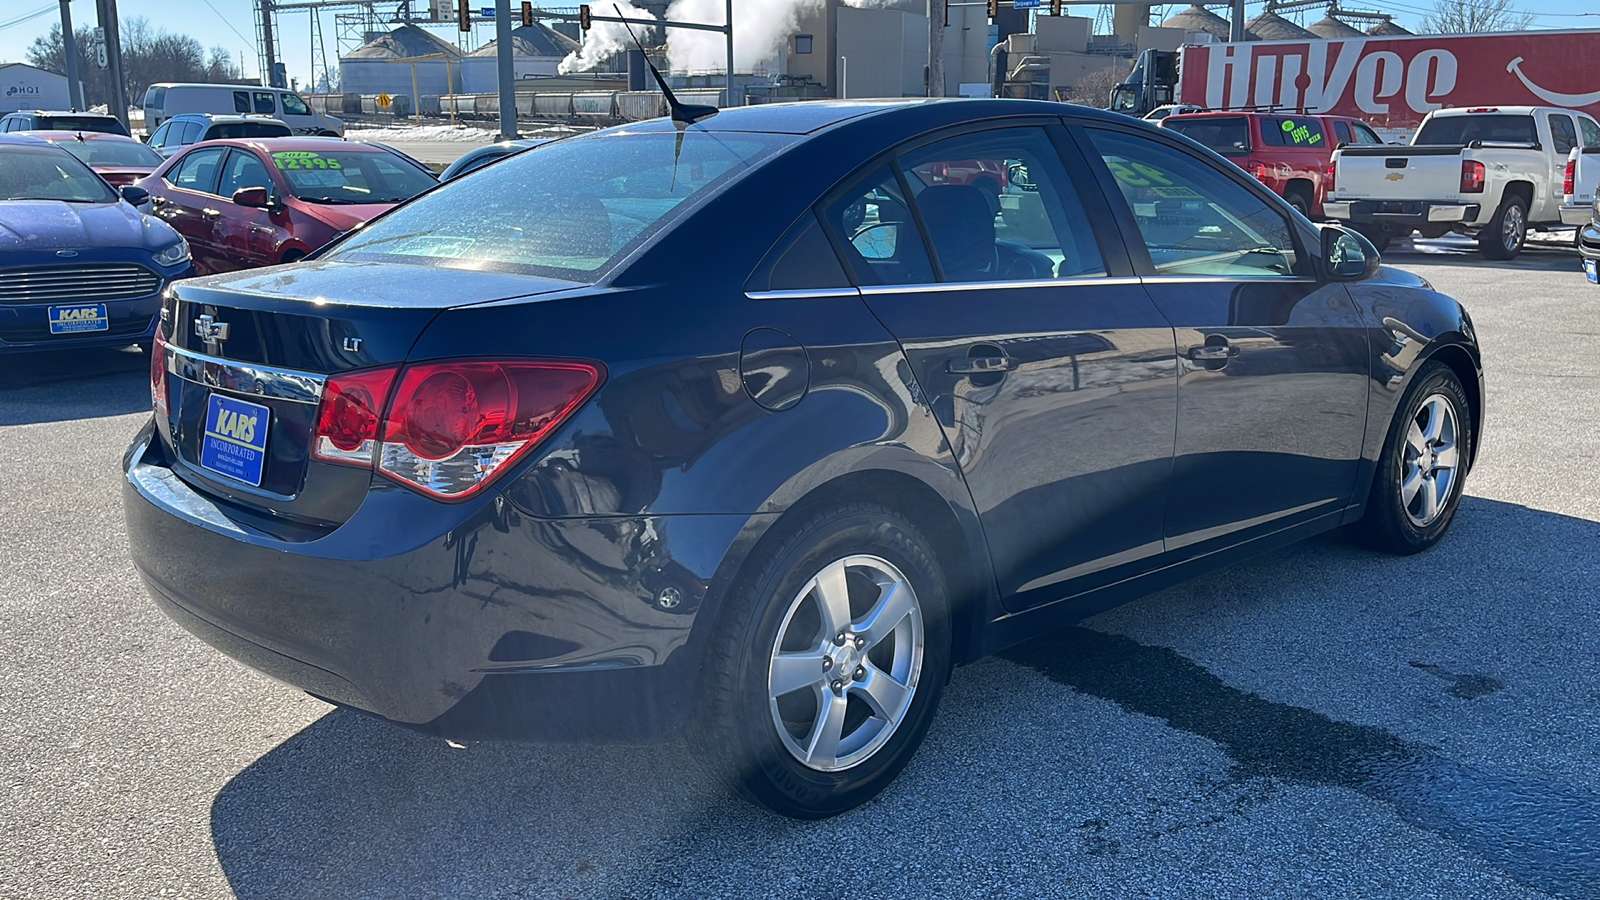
(802, 260)
(1228, 135)
(1563, 134)
(1304, 133)
(873, 222)
(191, 132)
(1462, 130)
(241, 101)
(568, 209)
(1195, 220)
(266, 103)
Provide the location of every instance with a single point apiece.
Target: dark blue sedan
(749, 430)
(79, 266)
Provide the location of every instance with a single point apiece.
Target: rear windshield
(108, 153)
(1229, 136)
(247, 130)
(1463, 130)
(568, 209)
(48, 173)
(104, 124)
(350, 176)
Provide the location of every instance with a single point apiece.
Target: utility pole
(731, 99)
(937, 11)
(118, 101)
(1236, 27)
(69, 47)
(508, 72)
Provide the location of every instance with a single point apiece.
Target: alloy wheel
(1430, 464)
(845, 664)
(1513, 228)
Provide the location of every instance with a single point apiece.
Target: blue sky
(228, 23)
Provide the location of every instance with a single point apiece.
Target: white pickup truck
(1488, 172)
(1579, 185)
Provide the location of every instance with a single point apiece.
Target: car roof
(1451, 111)
(811, 116)
(282, 144)
(228, 118)
(26, 140)
(61, 112)
(68, 134)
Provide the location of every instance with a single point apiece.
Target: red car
(119, 159)
(259, 202)
(1292, 154)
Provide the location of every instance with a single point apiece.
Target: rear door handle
(1213, 352)
(979, 365)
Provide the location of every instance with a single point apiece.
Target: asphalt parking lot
(1320, 722)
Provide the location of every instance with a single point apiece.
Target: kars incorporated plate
(78, 319)
(1592, 270)
(235, 440)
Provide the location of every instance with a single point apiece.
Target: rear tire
(1504, 235)
(1300, 202)
(1417, 488)
(765, 723)
(1377, 234)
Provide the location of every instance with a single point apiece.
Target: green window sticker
(303, 159)
(1301, 134)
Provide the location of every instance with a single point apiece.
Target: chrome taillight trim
(246, 378)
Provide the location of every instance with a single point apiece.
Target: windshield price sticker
(303, 159)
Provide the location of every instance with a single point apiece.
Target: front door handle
(980, 365)
(210, 213)
(1213, 352)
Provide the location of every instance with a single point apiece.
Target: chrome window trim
(245, 378)
(803, 294)
(1227, 279)
(1077, 281)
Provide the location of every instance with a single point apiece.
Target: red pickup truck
(1292, 154)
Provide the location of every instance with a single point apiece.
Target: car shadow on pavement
(73, 384)
(1536, 256)
(352, 806)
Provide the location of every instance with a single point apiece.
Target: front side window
(999, 206)
(1195, 220)
(1341, 131)
(1591, 132)
(872, 221)
(155, 97)
(241, 102)
(49, 173)
(198, 171)
(294, 106)
(567, 209)
(1365, 135)
(244, 169)
(159, 139)
(266, 103)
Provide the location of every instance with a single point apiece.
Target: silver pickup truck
(1493, 173)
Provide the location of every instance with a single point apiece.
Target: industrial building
(28, 87)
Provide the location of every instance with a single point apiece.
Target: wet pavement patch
(1467, 687)
(1546, 836)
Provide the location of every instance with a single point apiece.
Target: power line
(27, 17)
(226, 22)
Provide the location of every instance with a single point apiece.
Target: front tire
(1417, 488)
(827, 664)
(1502, 238)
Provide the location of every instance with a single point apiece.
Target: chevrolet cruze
(749, 429)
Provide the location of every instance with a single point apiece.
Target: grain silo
(536, 50)
(1329, 27)
(1269, 26)
(376, 68)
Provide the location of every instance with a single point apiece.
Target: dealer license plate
(78, 319)
(1592, 269)
(235, 439)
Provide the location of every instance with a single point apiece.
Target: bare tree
(149, 55)
(1476, 17)
(1094, 89)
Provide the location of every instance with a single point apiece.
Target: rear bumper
(473, 620)
(1577, 215)
(1589, 241)
(1406, 213)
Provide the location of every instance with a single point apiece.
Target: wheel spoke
(893, 606)
(833, 599)
(793, 671)
(1412, 484)
(886, 696)
(1445, 457)
(1430, 498)
(1430, 429)
(822, 745)
(1415, 439)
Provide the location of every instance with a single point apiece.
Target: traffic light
(584, 21)
(527, 12)
(1055, 7)
(464, 14)
(994, 8)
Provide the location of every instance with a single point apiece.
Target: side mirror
(258, 197)
(1347, 255)
(136, 196)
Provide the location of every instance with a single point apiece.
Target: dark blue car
(78, 265)
(748, 430)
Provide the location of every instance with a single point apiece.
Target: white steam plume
(605, 38)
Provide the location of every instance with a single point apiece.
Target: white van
(163, 101)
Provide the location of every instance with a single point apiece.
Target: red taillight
(158, 371)
(1570, 177)
(348, 420)
(1261, 172)
(1330, 181)
(448, 428)
(1471, 176)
